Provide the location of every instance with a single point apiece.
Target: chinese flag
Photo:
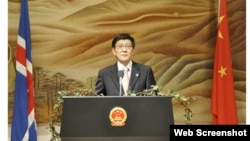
(224, 107)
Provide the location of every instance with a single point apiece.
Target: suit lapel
(135, 74)
(114, 75)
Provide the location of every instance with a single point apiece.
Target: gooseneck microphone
(120, 74)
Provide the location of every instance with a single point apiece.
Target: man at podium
(125, 75)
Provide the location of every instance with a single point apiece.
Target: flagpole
(218, 16)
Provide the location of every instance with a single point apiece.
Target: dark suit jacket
(141, 78)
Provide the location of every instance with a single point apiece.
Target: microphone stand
(120, 83)
(120, 74)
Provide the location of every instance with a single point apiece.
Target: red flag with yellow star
(224, 107)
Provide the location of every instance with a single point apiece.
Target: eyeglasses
(121, 46)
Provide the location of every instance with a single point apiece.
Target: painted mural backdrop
(71, 41)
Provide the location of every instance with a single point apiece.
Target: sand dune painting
(71, 41)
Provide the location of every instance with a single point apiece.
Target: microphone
(120, 74)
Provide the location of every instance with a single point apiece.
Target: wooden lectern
(123, 118)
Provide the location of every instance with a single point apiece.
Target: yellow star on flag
(222, 71)
(219, 32)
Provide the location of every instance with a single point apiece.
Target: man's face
(123, 51)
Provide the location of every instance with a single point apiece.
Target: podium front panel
(90, 118)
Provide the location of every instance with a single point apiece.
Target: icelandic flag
(23, 120)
